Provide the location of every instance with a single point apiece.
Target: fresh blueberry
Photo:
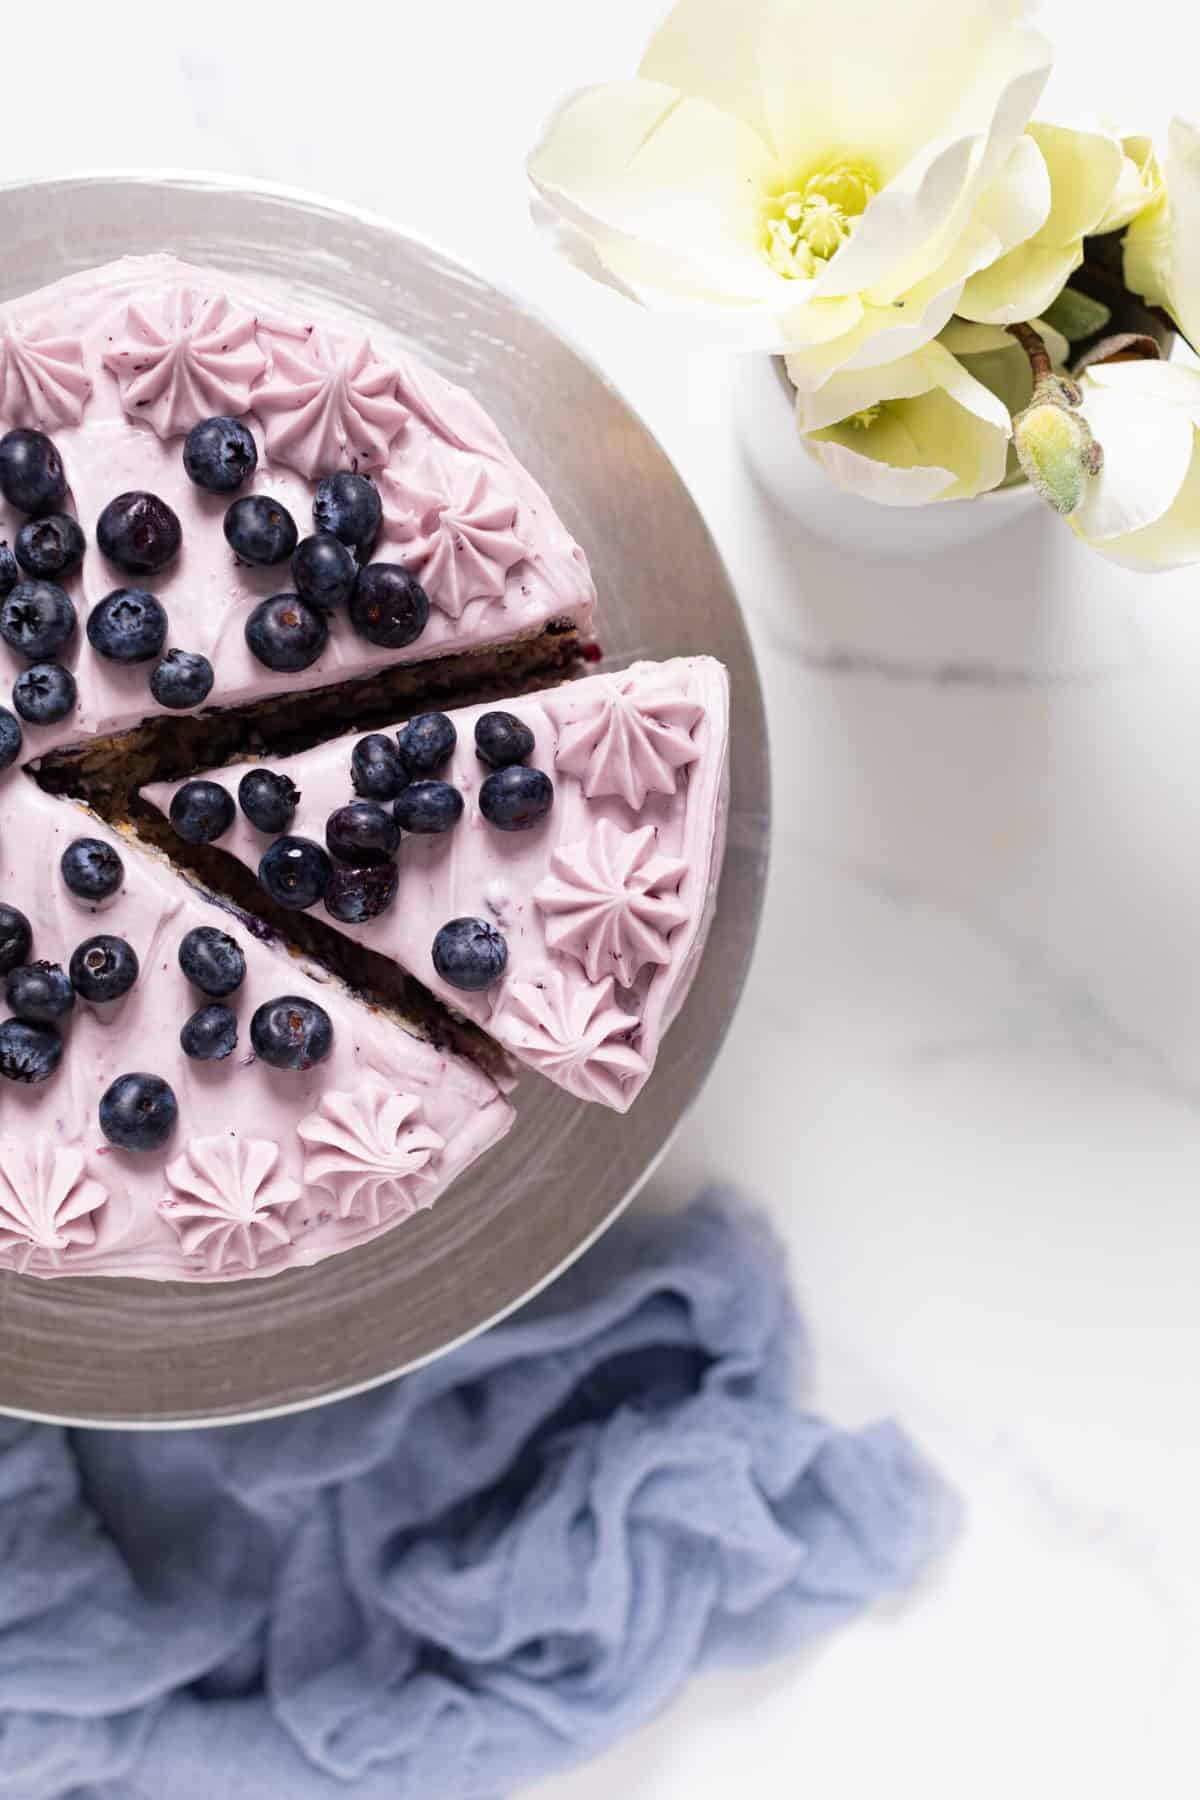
(40, 992)
(295, 872)
(9, 572)
(428, 807)
(426, 743)
(324, 571)
(515, 799)
(363, 832)
(183, 678)
(501, 739)
(210, 1035)
(356, 895)
(11, 738)
(37, 620)
(291, 1033)
(44, 694)
(103, 968)
(139, 532)
(260, 530)
(212, 961)
(286, 634)
(91, 868)
(470, 954)
(375, 768)
(219, 454)
(202, 811)
(31, 472)
(349, 507)
(268, 800)
(28, 1052)
(16, 938)
(389, 606)
(138, 1112)
(128, 626)
(51, 546)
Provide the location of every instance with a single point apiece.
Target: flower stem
(1034, 345)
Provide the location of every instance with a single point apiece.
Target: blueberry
(128, 626)
(210, 1035)
(91, 868)
(291, 1033)
(295, 872)
(389, 606)
(324, 571)
(40, 992)
(502, 739)
(356, 895)
(268, 800)
(183, 678)
(28, 1052)
(31, 472)
(11, 738)
(9, 572)
(44, 694)
(286, 634)
(260, 530)
(212, 961)
(515, 799)
(50, 546)
(103, 968)
(348, 507)
(37, 620)
(426, 743)
(375, 768)
(428, 807)
(139, 532)
(363, 832)
(219, 454)
(138, 1112)
(16, 938)
(470, 954)
(201, 811)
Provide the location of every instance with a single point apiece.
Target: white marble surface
(966, 1075)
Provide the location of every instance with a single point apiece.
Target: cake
(232, 527)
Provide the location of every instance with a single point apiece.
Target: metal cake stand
(147, 1354)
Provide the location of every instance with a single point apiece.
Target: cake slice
(323, 1125)
(548, 868)
(116, 366)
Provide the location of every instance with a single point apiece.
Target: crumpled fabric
(461, 1582)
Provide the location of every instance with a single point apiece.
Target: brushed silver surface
(144, 1354)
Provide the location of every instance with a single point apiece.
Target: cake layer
(602, 905)
(267, 1168)
(117, 364)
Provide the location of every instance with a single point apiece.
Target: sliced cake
(548, 867)
(181, 1101)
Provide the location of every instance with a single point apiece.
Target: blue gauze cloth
(456, 1584)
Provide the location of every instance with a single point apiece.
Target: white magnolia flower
(1143, 509)
(805, 176)
(1162, 246)
(1094, 182)
(935, 425)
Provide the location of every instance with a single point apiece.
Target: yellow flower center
(805, 226)
(870, 415)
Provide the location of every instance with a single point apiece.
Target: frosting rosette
(612, 901)
(328, 405)
(368, 1150)
(788, 176)
(229, 1202)
(43, 382)
(629, 737)
(575, 1033)
(456, 529)
(184, 356)
(47, 1202)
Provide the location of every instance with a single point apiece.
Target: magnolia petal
(1183, 190)
(886, 483)
(1085, 167)
(1171, 383)
(1138, 186)
(1147, 452)
(1021, 284)
(882, 333)
(1173, 541)
(855, 391)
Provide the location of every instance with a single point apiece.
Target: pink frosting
(616, 885)
(183, 355)
(47, 1202)
(369, 1150)
(43, 382)
(327, 405)
(229, 1201)
(612, 902)
(457, 531)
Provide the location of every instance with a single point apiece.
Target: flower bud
(1056, 450)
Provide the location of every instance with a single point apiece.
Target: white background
(966, 1075)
